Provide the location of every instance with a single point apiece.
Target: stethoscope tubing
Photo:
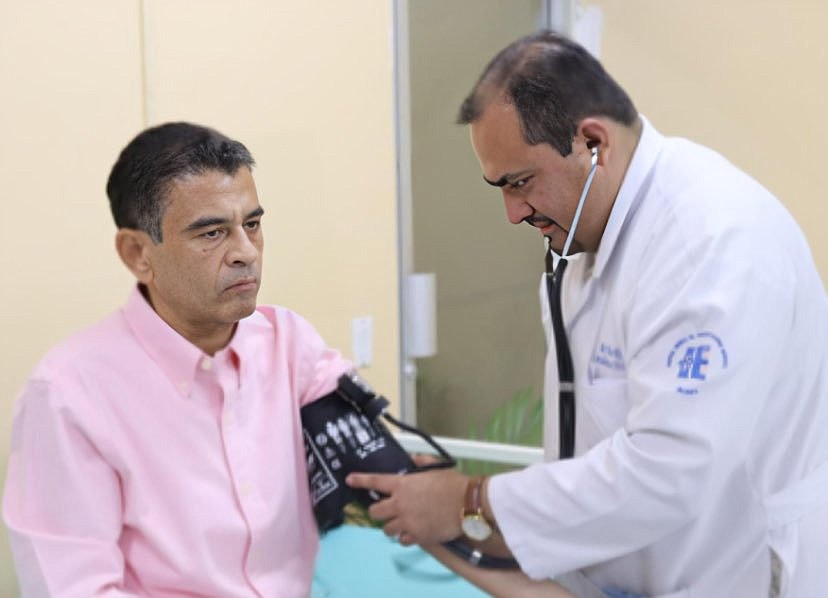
(587, 185)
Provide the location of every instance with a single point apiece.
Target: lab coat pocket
(604, 403)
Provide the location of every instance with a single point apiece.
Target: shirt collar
(632, 189)
(175, 355)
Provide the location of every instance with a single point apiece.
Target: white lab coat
(699, 335)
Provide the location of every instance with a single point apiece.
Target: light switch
(362, 336)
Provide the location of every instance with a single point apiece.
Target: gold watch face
(475, 527)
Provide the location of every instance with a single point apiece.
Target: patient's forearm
(501, 583)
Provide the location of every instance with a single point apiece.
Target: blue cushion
(360, 562)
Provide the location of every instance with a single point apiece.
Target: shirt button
(206, 364)
(228, 419)
(245, 489)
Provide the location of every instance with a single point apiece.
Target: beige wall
(748, 78)
(307, 86)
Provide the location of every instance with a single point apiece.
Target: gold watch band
(471, 504)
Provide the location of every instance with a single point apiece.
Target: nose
(516, 208)
(243, 251)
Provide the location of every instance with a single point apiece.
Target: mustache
(539, 220)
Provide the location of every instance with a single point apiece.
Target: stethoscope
(554, 283)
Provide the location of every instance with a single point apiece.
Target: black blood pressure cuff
(343, 432)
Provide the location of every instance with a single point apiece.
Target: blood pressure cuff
(343, 432)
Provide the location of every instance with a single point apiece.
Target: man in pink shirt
(159, 453)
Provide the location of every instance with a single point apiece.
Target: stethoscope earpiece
(571, 234)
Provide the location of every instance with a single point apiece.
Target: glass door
(485, 369)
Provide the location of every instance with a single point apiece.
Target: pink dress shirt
(142, 467)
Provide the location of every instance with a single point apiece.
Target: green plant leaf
(517, 421)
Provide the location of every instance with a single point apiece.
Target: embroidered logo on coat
(694, 358)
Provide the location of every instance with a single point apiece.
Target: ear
(134, 248)
(595, 133)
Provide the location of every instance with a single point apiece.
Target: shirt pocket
(603, 403)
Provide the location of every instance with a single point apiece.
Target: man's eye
(252, 225)
(520, 183)
(211, 234)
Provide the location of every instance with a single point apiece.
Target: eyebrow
(506, 179)
(214, 220)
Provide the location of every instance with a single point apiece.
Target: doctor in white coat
(686, 388)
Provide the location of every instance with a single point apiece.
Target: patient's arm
(501, 583)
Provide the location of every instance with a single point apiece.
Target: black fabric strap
(448, 460)
(566, 373)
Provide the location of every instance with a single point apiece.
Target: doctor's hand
(418, 508)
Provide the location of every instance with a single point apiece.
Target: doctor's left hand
(418, 508)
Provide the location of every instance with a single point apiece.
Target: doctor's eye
(520, 183)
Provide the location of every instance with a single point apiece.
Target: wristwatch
(472, 521)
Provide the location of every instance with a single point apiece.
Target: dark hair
(150, 163)
(553, 83)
